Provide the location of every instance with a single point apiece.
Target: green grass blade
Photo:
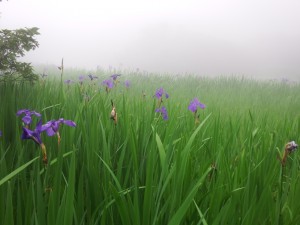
(161, 150)
(180, 213)
(202, 219)
(9, 214)
(69, 207)
(16, 171)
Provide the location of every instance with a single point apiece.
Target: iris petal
(27, 119)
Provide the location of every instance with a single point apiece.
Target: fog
(258, 38)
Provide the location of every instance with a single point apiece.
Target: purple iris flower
(108, 83)
(81, 79)
(35, 134)
(163, 112)
(127, 83)
(160, 92)
(68, 82)
(195, 104)
(27, 118)
(92, 77)
(52, 126)
(115, 76)
(0, 133)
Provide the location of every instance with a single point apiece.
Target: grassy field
(147, 170)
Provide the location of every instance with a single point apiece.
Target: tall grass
(146, 170)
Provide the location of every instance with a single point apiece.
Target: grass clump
(126, 162)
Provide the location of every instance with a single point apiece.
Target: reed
(125, 162)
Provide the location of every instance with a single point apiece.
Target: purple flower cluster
(115, 76)
(51, 127)
(92, 77)
(127, 83)
(163, 112)
(81, 79)
(27, 118)
(194, 104)
(68, 82)
(35, 134)
(108, 83)
(160, 92)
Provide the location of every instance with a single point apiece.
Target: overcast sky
(205, 37)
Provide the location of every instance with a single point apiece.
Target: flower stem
(44, 152)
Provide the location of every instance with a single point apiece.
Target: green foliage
(145, 170)
(14, 44)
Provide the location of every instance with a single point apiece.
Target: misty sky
(209, 37)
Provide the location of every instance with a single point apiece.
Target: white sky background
(205, 37)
